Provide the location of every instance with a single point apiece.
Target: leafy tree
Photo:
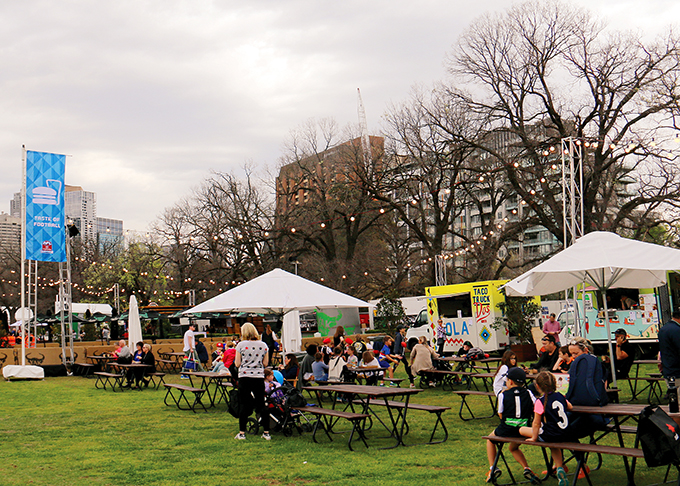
(389, 313)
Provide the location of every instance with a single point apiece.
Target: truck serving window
(449, 306)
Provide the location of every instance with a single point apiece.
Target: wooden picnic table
(364, 393)
(210, 378)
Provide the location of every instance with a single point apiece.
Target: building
(81, 210)
(15, 205)
(10, 233)
(109, 234)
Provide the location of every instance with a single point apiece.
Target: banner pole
(23, 255)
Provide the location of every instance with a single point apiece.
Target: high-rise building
(81, 209)
(109, 234)
(10, 233)
(15, 205)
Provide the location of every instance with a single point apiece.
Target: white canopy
(604, 260)
(277, 292)
(134, 324)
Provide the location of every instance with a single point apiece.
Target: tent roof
(277, 292)
(602, 259)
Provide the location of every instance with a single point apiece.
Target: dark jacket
(202, 352)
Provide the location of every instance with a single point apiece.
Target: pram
(282, 417)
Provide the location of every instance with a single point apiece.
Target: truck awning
(443, 296)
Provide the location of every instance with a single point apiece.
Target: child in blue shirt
(319, 368)
(385, 358)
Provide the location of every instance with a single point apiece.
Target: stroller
(282, 417)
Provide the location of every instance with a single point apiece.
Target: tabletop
(374, 391)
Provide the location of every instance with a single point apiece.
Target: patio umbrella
(134, 324)
(291, 337)
(605, 261)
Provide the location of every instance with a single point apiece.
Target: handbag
(190, 362)
(659, 437)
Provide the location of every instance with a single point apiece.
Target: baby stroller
(282, 417)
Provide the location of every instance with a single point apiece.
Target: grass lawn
(62, 431)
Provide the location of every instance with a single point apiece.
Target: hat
(517, 375)
(220, 345)
(468, 344)
(327, 340)
(620, 331)
(549, 337)
(348, 341)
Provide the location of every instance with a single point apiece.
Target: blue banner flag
(45, 220)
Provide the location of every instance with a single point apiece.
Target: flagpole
(23, 256)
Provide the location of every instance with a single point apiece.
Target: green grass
(62, 431)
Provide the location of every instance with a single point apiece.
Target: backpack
(475, 354)
(659, 438)
(293, 396)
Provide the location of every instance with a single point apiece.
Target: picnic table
(652, 385)
(366, 396)
(209, 378)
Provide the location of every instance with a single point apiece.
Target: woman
(421, 357)
(508, 360)
(339, 337)
(306, 372)
(289, 370)
(131, 374)
(147, 359)
(269, 338)
(251, 359)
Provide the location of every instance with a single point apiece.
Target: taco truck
(468, 311)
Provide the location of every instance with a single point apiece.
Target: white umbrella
(291, 338)
(277, 292)
(603, 260)
(134, 324)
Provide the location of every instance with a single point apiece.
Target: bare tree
(544, 71)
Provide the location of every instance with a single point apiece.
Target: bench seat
(183, 390)
(327, 415)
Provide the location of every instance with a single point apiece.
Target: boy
(516, 409)
(386, 357)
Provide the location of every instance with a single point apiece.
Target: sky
(147, 97)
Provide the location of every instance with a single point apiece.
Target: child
(272, 388)
(551, 423)
(515, 407)
(386, 357)
(336, 364)
(368, 361)
(352, 360)
(564, 361)
(319, 368)
(509, 360)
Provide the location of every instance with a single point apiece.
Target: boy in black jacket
(516, 409)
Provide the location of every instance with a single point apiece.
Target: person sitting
(548, 358)
(564, 361)
(148, 359)
(202, 354)
(624, 354)
(136, 358)
(352, 360)
(122, 353)
(421, 358)
(369, 360)
(306, 374)
(508, 360)
(319, 368)
(516, 410)
(336, 365)
(627, 303)
(290, 368)
(218, 362)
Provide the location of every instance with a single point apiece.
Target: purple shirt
(551, 327)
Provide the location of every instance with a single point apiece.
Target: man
(669, 347)
(624, 355)
(552, 328)
(123, 354)
(190, 341)
(548, 358)
(399, 350)
(441, 337)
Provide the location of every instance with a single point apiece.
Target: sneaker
(266, 436)
(554, 471)
(529, 474)
(240, 436)
(562, 477)
(184, 377)
(492, 475)
(582, 473)
(412, 385)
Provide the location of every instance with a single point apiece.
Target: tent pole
(609, 336)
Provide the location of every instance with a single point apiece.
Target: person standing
(669, 348)
(269, 338)
(552, 327)
(441, 337)
(252, 356)
(190, 341)
(399, 350)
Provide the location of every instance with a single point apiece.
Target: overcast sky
(146, 97)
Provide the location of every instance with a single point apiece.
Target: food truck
(468, 311)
